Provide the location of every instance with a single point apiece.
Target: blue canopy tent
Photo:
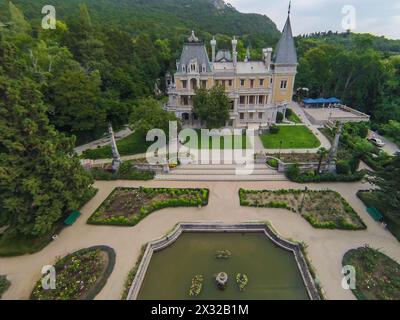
(320, 101)
(333, 100)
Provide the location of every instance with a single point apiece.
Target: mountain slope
(163, 17)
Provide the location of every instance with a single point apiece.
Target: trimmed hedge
(126, 172)
(201, 200)
(294, 175)
(97, 286)
(273, 163)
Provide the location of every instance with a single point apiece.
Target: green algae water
(272, 271)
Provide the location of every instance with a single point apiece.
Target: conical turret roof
(285, 52)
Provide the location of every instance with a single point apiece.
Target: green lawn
(292, 137)
(133, 144)
(294, 118)
(238, 142)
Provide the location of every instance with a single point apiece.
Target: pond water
(272, 272)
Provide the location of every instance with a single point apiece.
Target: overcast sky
(379, 17)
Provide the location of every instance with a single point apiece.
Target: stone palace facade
(257, 89)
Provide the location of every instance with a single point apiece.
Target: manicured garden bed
(128, 206)
(80, 275)
(131, 145)
(292, 137)
(15, 244)
(322, 209)
(371, 199)
(238, 142)
(4, 285)
(377, 275)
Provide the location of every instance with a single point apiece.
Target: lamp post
(302, 202)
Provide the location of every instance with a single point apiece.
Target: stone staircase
(219, 172)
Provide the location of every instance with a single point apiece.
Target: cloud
(308, 16)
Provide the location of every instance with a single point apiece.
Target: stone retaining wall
(168, 240)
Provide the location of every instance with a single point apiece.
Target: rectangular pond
(272, 272)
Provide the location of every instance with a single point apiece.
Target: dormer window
(203, 68)
(193, 66)
(183, 68)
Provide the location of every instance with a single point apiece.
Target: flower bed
(4, 285)
(196, 286)
(223, 254)
(377, 275)
(242, 280)
(128, 206)
(80, 275)
(337, 215)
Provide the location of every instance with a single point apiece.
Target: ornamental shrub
(343, 167)
(274, 129)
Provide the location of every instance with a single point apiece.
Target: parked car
(397, 153)
(378, 142)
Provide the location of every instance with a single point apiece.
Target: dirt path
(326, 247)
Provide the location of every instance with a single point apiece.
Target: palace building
(257, 89)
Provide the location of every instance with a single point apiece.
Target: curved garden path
(325, 247)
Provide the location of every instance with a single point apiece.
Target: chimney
(234, 53)
(213, 47)
(267, 56)
(247, 58)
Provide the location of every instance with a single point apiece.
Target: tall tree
(74, 100)
(148, 114)
(388, 181)
(40, 178)
(212, 106)
(19, 23)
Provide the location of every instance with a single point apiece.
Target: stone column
(116, 163)
(334, 149)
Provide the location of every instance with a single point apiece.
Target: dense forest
(106, 54)
(361, 69)
(111, 53)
